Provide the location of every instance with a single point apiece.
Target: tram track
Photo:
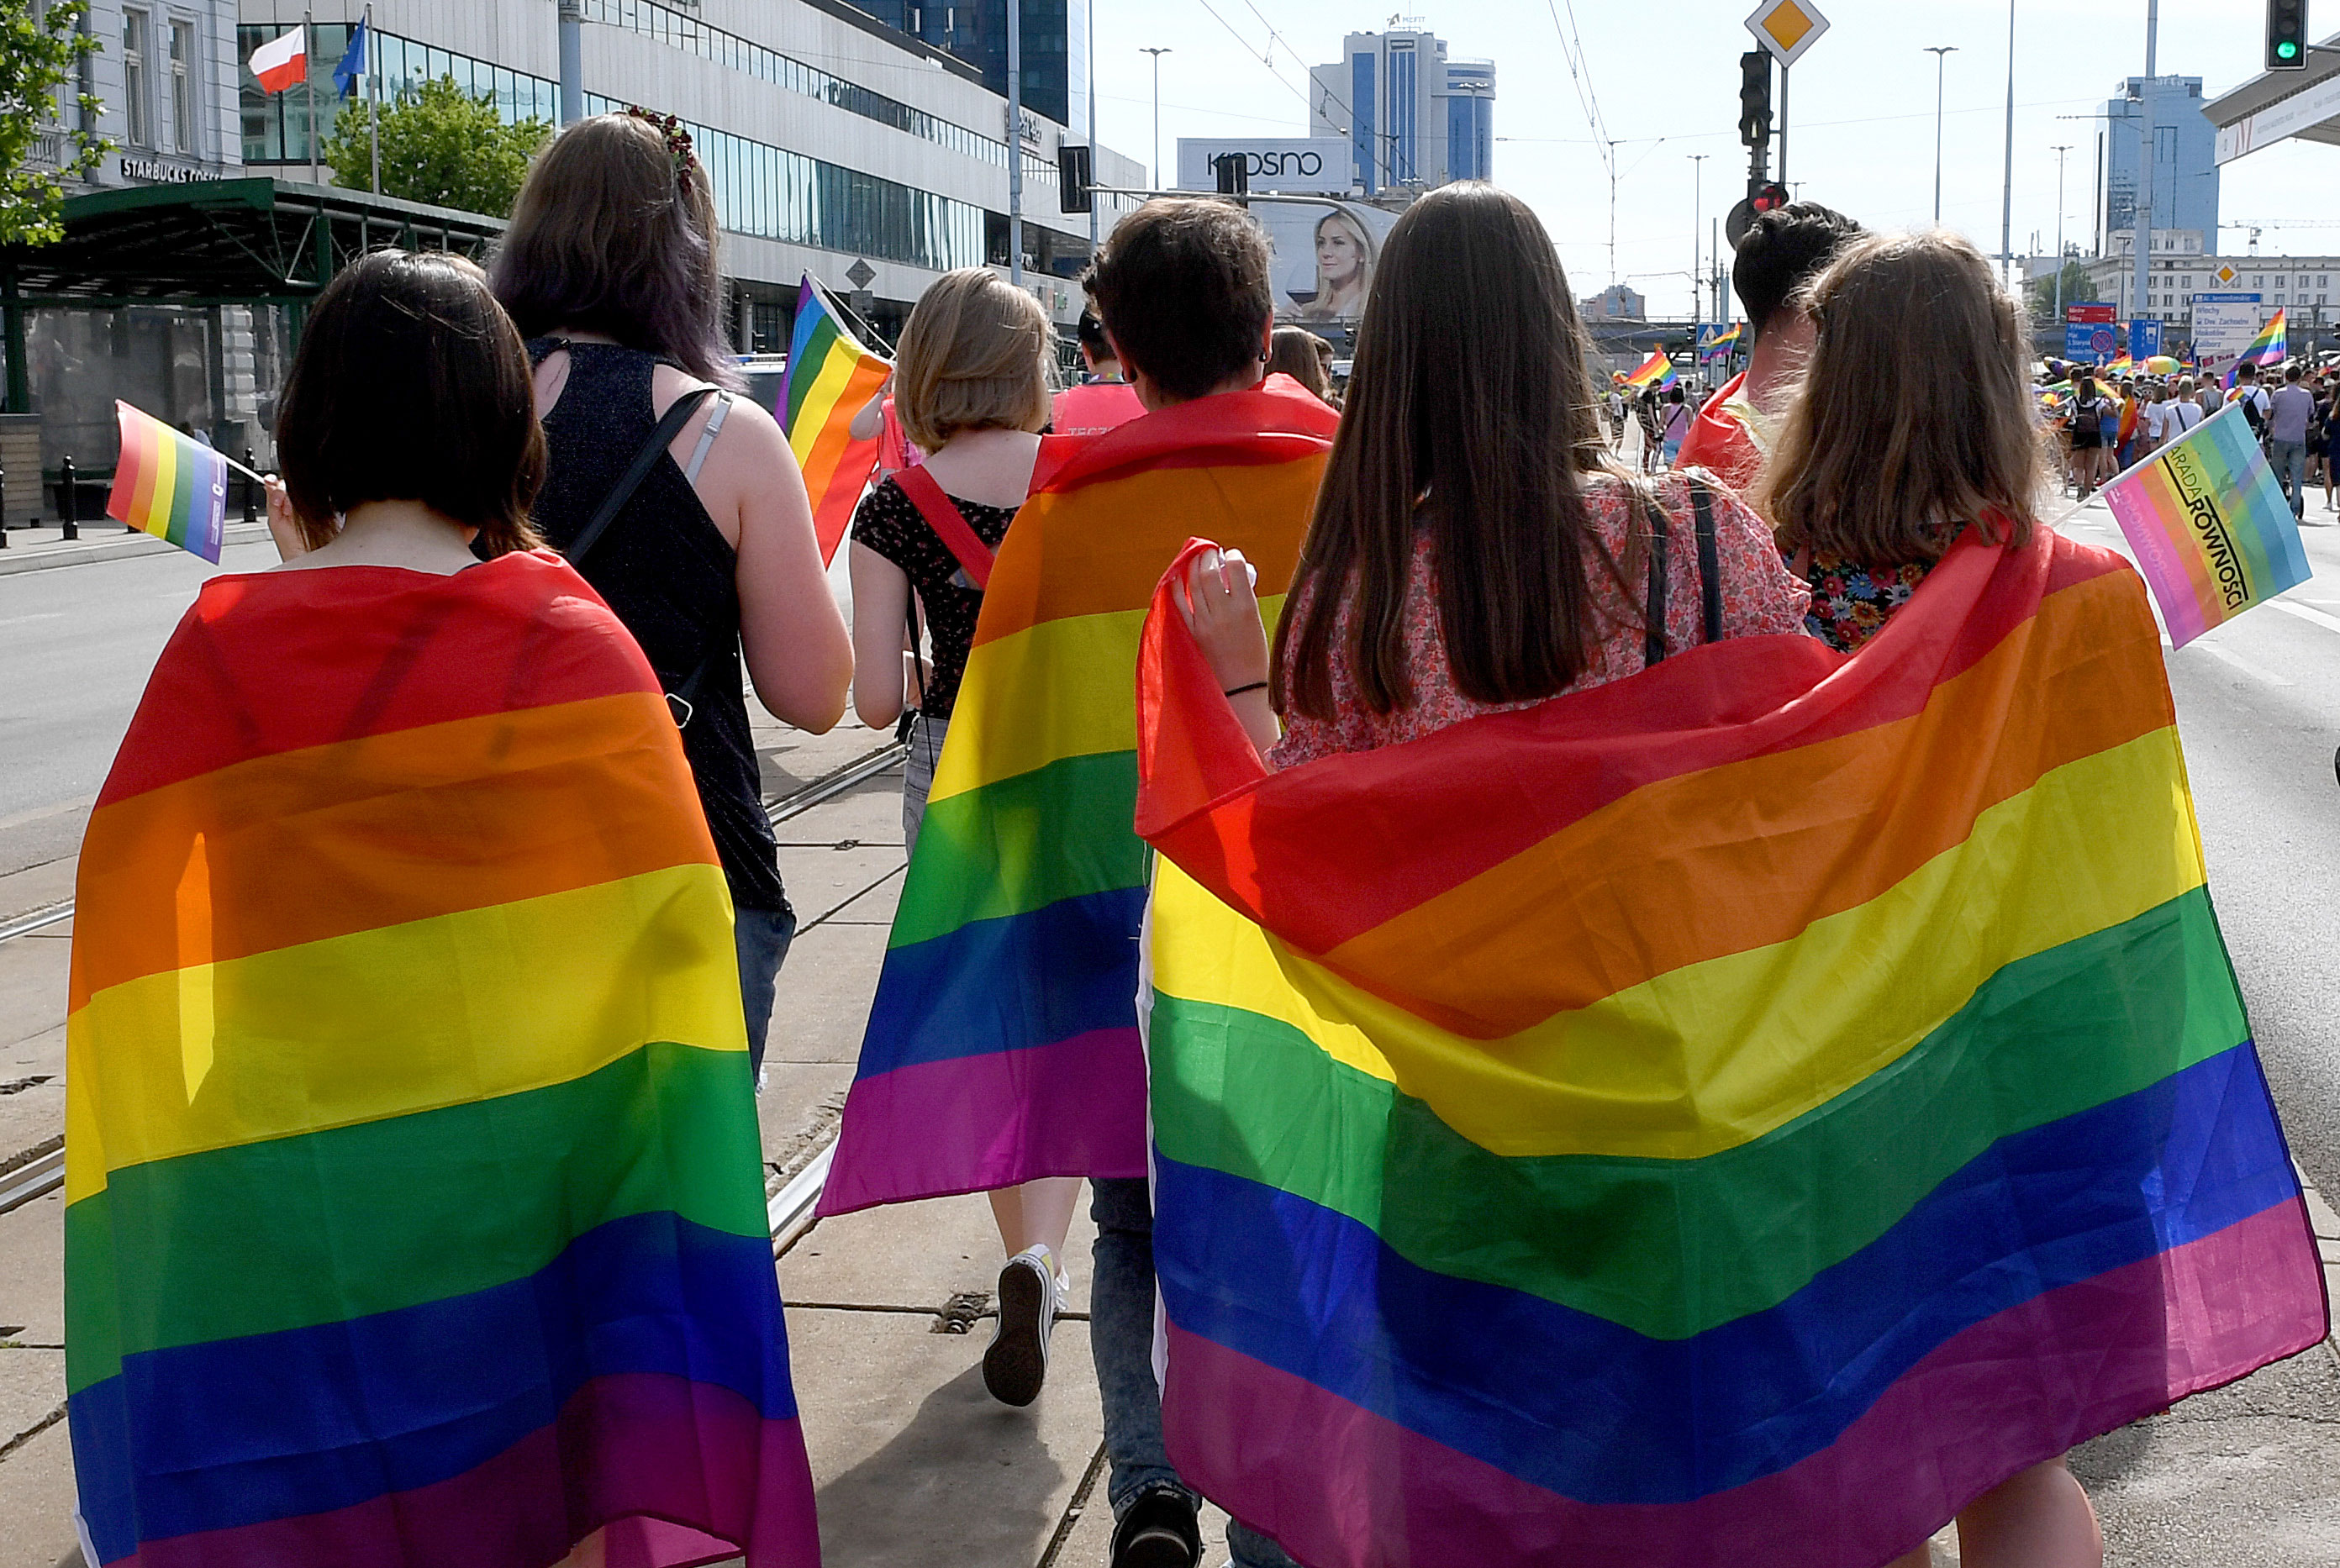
(36, 1171)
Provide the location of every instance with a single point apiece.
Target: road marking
(2307, 612)
(2256, 671)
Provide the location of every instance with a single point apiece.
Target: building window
(182, 87)
(133, 78)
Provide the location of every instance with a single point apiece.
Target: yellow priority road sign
(1786, 28)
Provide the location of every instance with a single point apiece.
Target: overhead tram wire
(1268, 63)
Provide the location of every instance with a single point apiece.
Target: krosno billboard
(1296, 165)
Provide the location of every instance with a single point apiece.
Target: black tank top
(669, 575)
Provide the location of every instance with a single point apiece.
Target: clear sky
(1664, 76)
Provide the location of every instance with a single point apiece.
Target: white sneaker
(1031, 1286)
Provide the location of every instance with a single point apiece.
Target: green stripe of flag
(801, 376)
(344, 1223)
(1671, 1248)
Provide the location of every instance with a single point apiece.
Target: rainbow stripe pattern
(2267, 348)
(1739, 1114)
(168, 485)
(415, 1211)
(2211, 531)
(1002, 1045)
(1656, 370)
(831, 376)
(1721, 345)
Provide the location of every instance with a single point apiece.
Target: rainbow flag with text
(2211, 531)
(414, 1210)
(1737, 1114)
(831, 377)
(1003, 1045)
(168, 484)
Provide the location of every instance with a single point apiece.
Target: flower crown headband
(678, 140)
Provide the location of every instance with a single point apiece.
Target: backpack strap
(1654, 613)
(677, 415)
(1709, 561)
(974, 557)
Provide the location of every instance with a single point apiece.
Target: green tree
(440, 146)
(41, 50)
(2040, 292)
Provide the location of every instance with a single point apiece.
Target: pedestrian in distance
(2290, 412)
(446, 1244)
(1779, 253)
(1103, 399)
(1302, 355)
(2254, 398)
(677, 500)
(2184, 410)
(2084, 430)
(1676, 425)
(1645, 409)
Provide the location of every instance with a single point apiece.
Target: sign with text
(2091, 342)
(2224, 326)
(2144, 339)
(1281, 165)
(2092, 310)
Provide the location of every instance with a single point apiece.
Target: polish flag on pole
(283, 61)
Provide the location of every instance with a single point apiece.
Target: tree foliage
(440, 146)
(2040, 292)
(41, 50)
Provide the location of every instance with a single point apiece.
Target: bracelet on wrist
(1238, 691)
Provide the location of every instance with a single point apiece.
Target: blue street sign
(2144, 339)
(2091, 340)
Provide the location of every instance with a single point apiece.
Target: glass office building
(1413, 118)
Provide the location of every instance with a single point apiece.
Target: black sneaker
(1158, 1530)
(1016, 1364)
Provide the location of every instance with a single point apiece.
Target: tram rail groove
(36, 1172)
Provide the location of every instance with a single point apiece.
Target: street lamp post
(1157, 55)
(1941, 53)
(1016, 142)
(1697, 192)
(2006, 191)
(2061, 148)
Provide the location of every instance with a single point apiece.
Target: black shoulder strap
(677, 415)
(1710, 562)
(1653, 614)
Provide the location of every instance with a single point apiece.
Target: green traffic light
(2287, 50)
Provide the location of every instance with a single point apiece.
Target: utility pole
(372, 63)
(2007, 191)
(1092, 140)
(2061, 148)
(1697, 191)
(1612, 213)
(2144, 220)
(309, 84)
(1783, 122)
(1157, 55)
(1941, 53)
(1016, 142)
(572, 61)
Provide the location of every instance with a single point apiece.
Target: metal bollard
(251, 511)
(71, 518)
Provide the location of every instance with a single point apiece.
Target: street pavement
(888, 1311)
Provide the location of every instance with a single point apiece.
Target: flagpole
(373, 98)
(309, 81)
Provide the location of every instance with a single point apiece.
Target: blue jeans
(1121, 1341)
(762, 938)
(2289, 460)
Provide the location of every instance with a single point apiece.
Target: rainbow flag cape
(2266, 348)
(168, 484)
(415, 1214)
(1737, 1114)
(2211, 531)
(831, 376)
(1656, 370)
(1720, 346)
(1002, 1045)
(2120, 364)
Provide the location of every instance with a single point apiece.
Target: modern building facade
(1413, 118)
(1053, 53)
(2185, 158)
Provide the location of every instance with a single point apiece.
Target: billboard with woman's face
(1325, 257)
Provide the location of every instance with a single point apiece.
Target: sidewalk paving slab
(821, 1000)
(36, 1493)
(32, 1271)
(921, 1255)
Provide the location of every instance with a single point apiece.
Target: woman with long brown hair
(1881, 465)
(1476, 547)
(680, 504)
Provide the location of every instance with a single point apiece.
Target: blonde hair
(975, 356)
(1879, 441)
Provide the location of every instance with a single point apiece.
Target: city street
(887, 1310)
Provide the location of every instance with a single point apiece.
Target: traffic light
(1766, 197)
(1233, 169)
(1755, 96)
(1073, 178)
(2286, 40)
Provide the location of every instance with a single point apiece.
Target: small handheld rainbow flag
(829, 376)
(2267, 348)
(168, 484)
(2121, 364)
(1720, 346)
(2211, 531)
(1656, 370)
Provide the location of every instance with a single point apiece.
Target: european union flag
(353, 63)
